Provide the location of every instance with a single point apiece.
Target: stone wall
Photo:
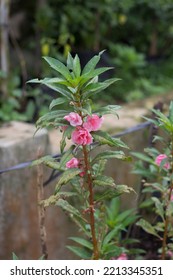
(19, 227)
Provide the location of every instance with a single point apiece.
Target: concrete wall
(19, 228)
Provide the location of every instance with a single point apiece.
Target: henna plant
(78, 165)
(159, 183)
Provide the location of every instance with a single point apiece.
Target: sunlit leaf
(104, 138)
(76, 66)
(112, 192)
(57, 101)
(111, 154)
(102, 180)
(67, 207)
(70, 61)
(67, 176)
(91, 64)
(58, 66)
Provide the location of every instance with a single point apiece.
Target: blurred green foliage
(137, 34)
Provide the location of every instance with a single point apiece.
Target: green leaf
(91, 88)
(96, 72)
(53, 165)
(113, 209)
(147, 227)
(67, 207)
(42, 160)
(58, 66)
(54, 198)
(66, 157)
(80, 252)
(92, 63)
(60, 89)
(67, 176)
(42, 258)
(164, 121)
(146, 203)
(101, 180)
(142, 157)
(159, 207)
(48, 161)
(111, 250)
(51, 116)
(53, 83)
(76, 66)
(104, 138)
(124, 215)
(110, 154)
(99, 167)
(70, 61)
(109, 109)
(14, 257)
(51, 200)
(83, 242)
(57, 101)
(113, 192)
(66, 134)
(120, 189)
(112, 234)
(131, 241)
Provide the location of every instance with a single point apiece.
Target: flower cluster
(81, 135)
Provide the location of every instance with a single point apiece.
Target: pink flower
(81, 136)
(74, 119)
(72, 163)
(159, 159)
(170, 254)
(82, 174)
(93, 123)
(172, 197)
(75, 163)
(123, 256)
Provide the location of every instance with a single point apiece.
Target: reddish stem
(91, 203)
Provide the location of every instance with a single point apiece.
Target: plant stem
(167, 218)
(41, 210)
(91, 203)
